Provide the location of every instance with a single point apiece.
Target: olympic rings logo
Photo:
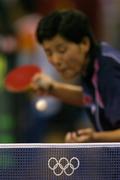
(63, 165)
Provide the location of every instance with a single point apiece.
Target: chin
(69, 76)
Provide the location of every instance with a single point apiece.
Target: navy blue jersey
(105, 89)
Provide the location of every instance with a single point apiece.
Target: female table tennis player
(71, 48)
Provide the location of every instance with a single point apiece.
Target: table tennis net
(60, 161)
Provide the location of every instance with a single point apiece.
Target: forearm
(68, 93)
(107, 136)
(43, 84)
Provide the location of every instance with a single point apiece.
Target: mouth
(62, 67)
(68, 74)
(61, 70)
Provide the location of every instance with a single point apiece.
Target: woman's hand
(81, 136)
(42, 84)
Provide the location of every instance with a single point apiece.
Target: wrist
(99, 136)
(96, 136)
(52, 87)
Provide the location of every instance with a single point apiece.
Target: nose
(56, 59)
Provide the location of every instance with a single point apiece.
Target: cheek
(73, 60)
(69, 58)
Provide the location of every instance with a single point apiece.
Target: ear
(85, 44)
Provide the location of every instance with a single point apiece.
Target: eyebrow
(60, 45)
(56, 46)
(47, 50)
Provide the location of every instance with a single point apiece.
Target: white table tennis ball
(41, 105)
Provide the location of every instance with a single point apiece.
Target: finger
(36, 77)
(71, 137)
(82, 139)
(84, 131)
(68, 137)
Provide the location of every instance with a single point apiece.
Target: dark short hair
(72, 25)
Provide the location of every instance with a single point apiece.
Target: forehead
(54, 42)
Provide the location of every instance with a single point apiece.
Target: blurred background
(20, 120)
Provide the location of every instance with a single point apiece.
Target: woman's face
(69, 58)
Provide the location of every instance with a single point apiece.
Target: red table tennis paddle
(19, 79)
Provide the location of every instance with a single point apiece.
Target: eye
(48, 53)
(62, 50)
